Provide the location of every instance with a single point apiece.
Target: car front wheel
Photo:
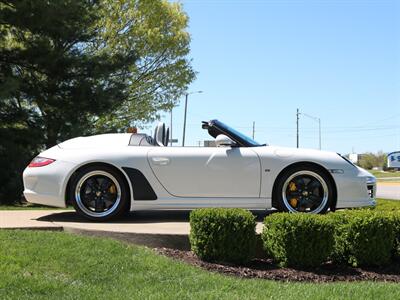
(306, 190)
(99, 193)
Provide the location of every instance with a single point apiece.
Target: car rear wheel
(99, 193)
(303, 189)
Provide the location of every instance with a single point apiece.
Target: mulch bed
(266, 269)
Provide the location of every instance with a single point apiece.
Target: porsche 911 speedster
(104, 176)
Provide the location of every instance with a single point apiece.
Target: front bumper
(356, 189)
(46, 185)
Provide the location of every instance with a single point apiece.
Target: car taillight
(40, 162)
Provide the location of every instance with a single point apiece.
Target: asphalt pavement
(388, 190)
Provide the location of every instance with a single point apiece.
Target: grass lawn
(29, 206)
(388, 205)
(57, 265)
(381, 174)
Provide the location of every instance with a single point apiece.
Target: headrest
(166, 138)
(159, 134)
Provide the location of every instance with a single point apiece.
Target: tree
(156, 32)
(371, 160)
(76, 67)
(57, 81)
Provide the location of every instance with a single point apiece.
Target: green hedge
(298, 240)
(223, 234)
(396, 222)
(355, 237)
(363, 237)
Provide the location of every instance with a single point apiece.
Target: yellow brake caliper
(293, 188)
(112, 189)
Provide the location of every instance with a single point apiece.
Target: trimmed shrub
(223, 234)
(363, 237)
(396, 246)
(298, 240)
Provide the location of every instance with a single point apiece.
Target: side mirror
(224, 141)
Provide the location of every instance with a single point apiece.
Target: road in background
(388, 190)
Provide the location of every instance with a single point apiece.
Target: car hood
(97, 141)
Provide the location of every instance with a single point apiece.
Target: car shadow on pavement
(138, 217)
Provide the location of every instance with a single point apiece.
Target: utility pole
(254, 128)
(297, 116)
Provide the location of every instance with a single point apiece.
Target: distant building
(209, 144)
(353, 157)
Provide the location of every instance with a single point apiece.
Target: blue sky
(260, 60)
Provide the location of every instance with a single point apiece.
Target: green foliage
(155, 31)
(57, 265)
(386, 205)
(363, 237)
(372, 160)
(298, 240)
(396, 222)
(76, 67)
(384, 174)
(222, 234)
(16, 148)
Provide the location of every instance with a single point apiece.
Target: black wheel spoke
(313, 184)
(99, 205)
(301, 206)
(294, 194)
(92, 184)
(315, 199)
(300, 183)
(108, 203)
(106, 184)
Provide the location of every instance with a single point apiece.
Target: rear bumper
(46, 185)
(49, 200)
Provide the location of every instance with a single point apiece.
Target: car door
(207, 171)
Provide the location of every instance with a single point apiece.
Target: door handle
(161, 161)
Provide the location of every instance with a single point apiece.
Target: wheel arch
(90, 164)
(306, 164)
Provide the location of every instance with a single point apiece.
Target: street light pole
(184, 120)
(297, 123)
(319, 127)
(170, 128)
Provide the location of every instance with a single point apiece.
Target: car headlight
(370, 180)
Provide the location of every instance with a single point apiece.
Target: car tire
(305, 188)
(99, 193)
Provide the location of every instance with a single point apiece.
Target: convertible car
(104, 176)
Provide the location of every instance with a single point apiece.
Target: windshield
(240, 135)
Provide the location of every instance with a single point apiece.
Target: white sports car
(104, 176)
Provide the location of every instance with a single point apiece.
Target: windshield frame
(216, 128)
